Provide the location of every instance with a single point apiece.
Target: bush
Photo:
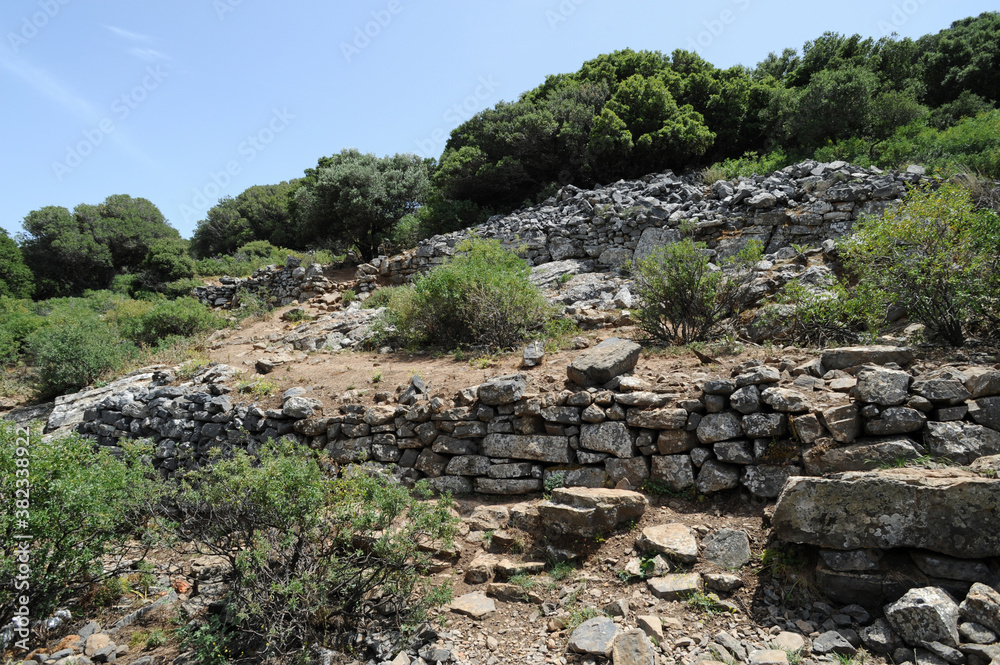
(973, 143)
(817, 318)
(936, 255)
(749, 164)
(481, 296)
(72, 354)
(148, 323)
(17, 322)
(310, 558)
(83, 506)
(683, 296)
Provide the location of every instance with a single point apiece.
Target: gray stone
(746, 400)
(767, 481)
(503, 389)
(658, 419)
(788, 642)
(896, 420)
(722, 582)
(785, 400)
(938, 565)
(961, 442)
(716, 477)
(860, 456)
(882, 386)
(765, 425)
(719, 427)
(673, 441)
(676, 541)
(986, 412)
(970, 631)
(727, 548)
(468, 465)
(587, 511)
(635, 470)
(675, 587)
(612, 357)
(758, 375)
(633, 648)
(734, 452)
(832, 643)
(534, 354)
(843, 422)
(924, 615)
(552, 449)
(879, 637)
(982, 382)
(300, 407)
(607, 437)
(507, 486)
(595, 636)
(941, 391)
(844, 560)
(768, 657)
(676, 471)
(806, 428)
(853, 356)
(476, 605)
(454, 485)
(891, 508)
(982, 605)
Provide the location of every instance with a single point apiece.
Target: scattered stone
(922, 615)
(768, 657)
(879, 637)
(476, 605)
(676, 586)
(722, 582)
(595, 636)
(652, 625)
(832, 643)
(612, 357)
(727, 548)
(676, 541)
(788, 642)
(633, 648)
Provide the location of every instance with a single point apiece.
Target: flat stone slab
(677, 541)
(537, 447)
(589, 510)
(851, 356)
(675, 587)
(476, 605)
(612, 357)
(949, 511)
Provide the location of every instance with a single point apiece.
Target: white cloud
(149, 54)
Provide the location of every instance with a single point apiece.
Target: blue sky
(185, 101)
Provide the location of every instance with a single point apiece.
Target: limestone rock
(595, 636)
(982, 605)
(922, 615)
(852, 356)
(677, 541)
(633, 648)
(727, 548)
(675, 471)
(891, 508)
(961, 442)
(586, 511)
(503, 389)
(612, 357)
(675, 587)
(607, 437)
(719, 427)
(882, 386)
(860, 456)
(540, 448)
(716, 477)
(476, 605)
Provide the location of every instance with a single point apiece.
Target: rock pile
(285, 285)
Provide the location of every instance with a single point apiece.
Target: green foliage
(561, 570)
(751, 164)
(69, 253)
(73, 354)
(150, 322)
(481, 296)
(973, 143)
(554, 480)
(683, 298)
(18, 320)
(707, 603)
(258, 388)
(84, 506)
(355, 200)
(819, 318)
(261, 212)
(252, 306)
(16, 280)
(349, 295)
(936, 255)
(255, 255)
(310, 557)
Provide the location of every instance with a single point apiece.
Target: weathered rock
(896, 420)
(676, 541)
(832, 642)
(719, 427)
(635, 470)
(633, 648)
(941, 391)
(300, 407)
(982, 605)
(607, 437)
(786, 400)
(595, 636)
(673, 441)
(765, 425)
(734, 452)
(552, 449)
(659, 419)
(534, 354)
(879, 637)
(481, 569)
(675, 471)
(843, 422)
(746, 400)
(767, 481)
(842, 560)
(937, 565)
(961, 442)
(727, 548)
(586, 511)
(982, 382)
(722, 582)
(717, 476)
(924, 615)
(507, 486)
(860, 456)
(976, 633)
(675, 587)
(788, 642)
(767, 657)
(652, 625)
(503, 389)
(853, 356)
(865, 510)
(758, 375)
(476, 605)
(612, 357)
(882, 386)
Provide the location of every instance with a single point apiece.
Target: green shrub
(749, 164)
(809, 317)
(17, 322)
(683, 298)
(481, 296)
(70, 355)
(936, 255)
(83, 506)
(311, 558)
(973, 143)
(183, 317)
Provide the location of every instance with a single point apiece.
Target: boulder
(982, 382)
(896, 420)
(860, 456)
(923, 615)
(961, 442)
(882, 386)
(852, 356)
(612, 357)
(982, 606)
(986, 412)
(540, 448)
(719, 427)
(675, 587)
(476, 605)
(607, 437)
(939, 510)
(786, 400)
